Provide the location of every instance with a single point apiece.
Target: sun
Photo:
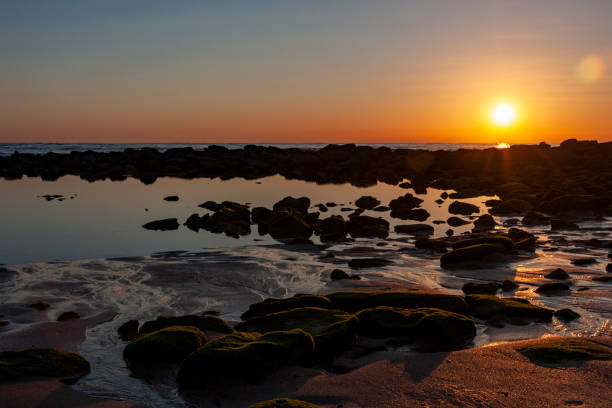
(503, 114)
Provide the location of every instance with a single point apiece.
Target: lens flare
(591, 69)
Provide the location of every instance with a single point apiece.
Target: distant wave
(6, 149)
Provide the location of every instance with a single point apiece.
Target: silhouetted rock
(359, 263)
(484, 223)
(363, 226)
(128, 330)
(339, 274)
(558, 274)
(162, 225)
(510, 207)
(456, 222)
(70, 315)
(584, 261)
(40, 305)
(535, 218)
(171, 198)
(299, 205)
(489, 288)
(458, 207)
(556, 287)
(367, 202)
(414, 229)
(566, 315)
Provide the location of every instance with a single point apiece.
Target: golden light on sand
(503, 114)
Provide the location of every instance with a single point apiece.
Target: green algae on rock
(272, 305)
(435, 325)
(244, 357)
(332, 330)
(42, 362)
(559, 350)
(488, 306)
(169, 345)
(202, 322)
(355, 301)
(284, 403)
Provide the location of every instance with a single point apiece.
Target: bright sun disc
(503, 114)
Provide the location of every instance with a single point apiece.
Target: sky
(304, 71)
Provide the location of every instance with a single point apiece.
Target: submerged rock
(414, 229)
(558, 274)
(202, 322)
(508, 285)
(42, 362)
(557, 224)
(339, 274)
(169, 345)
(489, 288)
(433, 325)
(167, 224)
(458, 207)
(128, 330)
(513, 311)
(332, 330)
(70, 315)
(244, 357)
(567, 315)
(359, 263)
(367, 202)
(456, 222)
(40, 305)
(554, 288)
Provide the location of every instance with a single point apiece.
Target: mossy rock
(332, 330)
(284, 403)
(244, 358)
(42, 362)
(559, 350)
(472, 256)
(202, 322)
(169, 345)
(355, 301)
(513, 311)
(434, 325)
(272, 305)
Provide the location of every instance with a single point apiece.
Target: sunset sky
(304, 71)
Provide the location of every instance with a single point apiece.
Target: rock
(458, 207)
(609, 267)
(472, 256)
(484, 223)
(528, 244)
(339, 274)
(414, 229)
(439, 201)
(244, 357)
(322, 207)
(535, 218)
(203, 322)
(363, 226)
(554, 288)
(574, 202)
(418, 214)
(566, 315)
(517, 234)
(508, 285)
(492, 202)
(68, 316)
(486, 239)
(284, 403)
(211, 205)
(511, 207)
(359, 263)
(456, 222)
(489, 288)
(584, 261)
(299, 205)
(171, 198)
(438, 245)
(355, 301)
(162, 225)
(128, 330)
(558, 274)
(286, 225)
(381, 208)
(436, 326)
(42, 362)
(169, 345)
(367, 202)
(559, 350)
(261, 215)
(333, 228)
(509, 310)
(40, 305)
(332, 330)
(405, 202)
(557, 224)
(271, 305)
(607, 278)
